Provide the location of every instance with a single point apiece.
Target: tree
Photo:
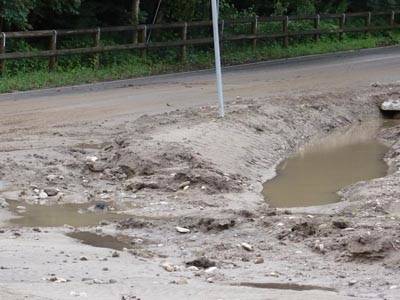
(19, 13)
(15, 13)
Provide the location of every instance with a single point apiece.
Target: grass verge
(129, 65)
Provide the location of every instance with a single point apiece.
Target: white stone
(92, 158)
(3, 203)
(247, 246)
(211, 270)
(182, 229)
(43, 195)
(391, 105)
(168, 267)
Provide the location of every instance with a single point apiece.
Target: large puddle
(77, 215)
(315, 175)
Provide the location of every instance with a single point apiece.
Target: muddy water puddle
(315, 175)
(77, 215)
(101, 241)
(285, 286)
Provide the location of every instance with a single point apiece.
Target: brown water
(101, 241)
(285, 286)
(76, 215)
(313, 176)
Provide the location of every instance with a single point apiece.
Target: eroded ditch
(319, 170)
(314, 177)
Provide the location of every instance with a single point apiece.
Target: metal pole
(218, 70)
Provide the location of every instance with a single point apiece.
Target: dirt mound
(166, 168)
(208, 224)
(369, 247)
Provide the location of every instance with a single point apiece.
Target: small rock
(259, 260)
(36, 229)
(3, 203)
(115, 254)
(352, 282)
(78, 294)
(168, 267)
(210, 280)
(112, 281)
(100, 206)
(211, 270)
(182, 230)
(391, 105)
(341, 224)
(43, 195)
(184, 184)
(51, 192)
(320, 247)
(96, 167)
(91, 159)
(247, 246)
(83, 258)
(180, 281)
(56, 279)
(51, 178)
(193, 269)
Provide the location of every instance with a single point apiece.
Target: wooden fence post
(2, 51)
(368, 22)
(97, 37)
(392, 18)
(342, 24)
(143, 40)
(317, 25)
(135, 19)
(184, 39)
(53, 47)
(286, 31)
(254, 30)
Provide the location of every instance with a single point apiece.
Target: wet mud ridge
(177, 199)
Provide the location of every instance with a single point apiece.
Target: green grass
(129, 64)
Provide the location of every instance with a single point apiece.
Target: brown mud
(192, 185)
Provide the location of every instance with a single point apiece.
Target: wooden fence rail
(143, 43)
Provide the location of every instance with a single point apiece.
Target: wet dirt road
(169, 92)
(45, 145)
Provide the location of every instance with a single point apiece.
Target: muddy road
(141, 192)
(169, 92)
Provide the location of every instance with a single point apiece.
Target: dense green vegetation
(49, 14)
(43, 14)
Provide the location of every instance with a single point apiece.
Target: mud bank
(192, 185)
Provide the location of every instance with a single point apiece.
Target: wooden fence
(143, 43)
